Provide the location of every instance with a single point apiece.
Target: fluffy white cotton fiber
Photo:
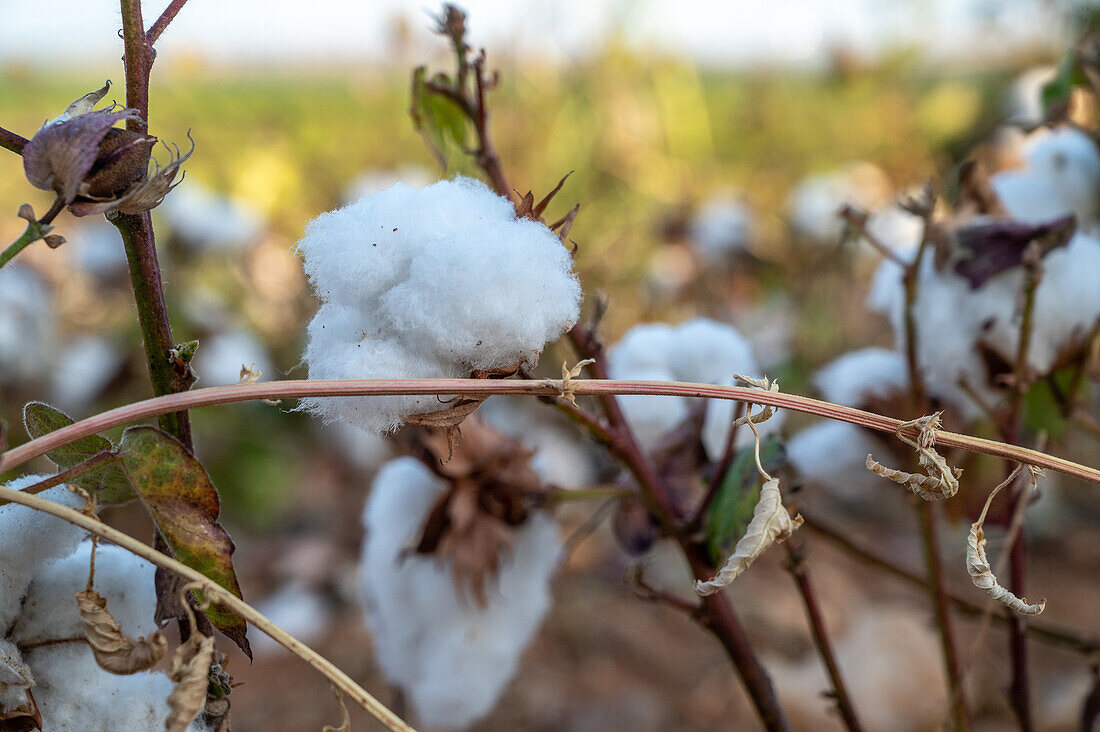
(432, 282)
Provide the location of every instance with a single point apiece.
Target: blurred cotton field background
(712, 147)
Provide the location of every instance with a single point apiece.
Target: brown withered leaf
(986, 248)
(18, 709)
(448, 420)
(114, 651)
(190, 667)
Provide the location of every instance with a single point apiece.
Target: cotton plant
(452, 654)
(699, 350)
(814, 202)
(442, 281)
(48, 672)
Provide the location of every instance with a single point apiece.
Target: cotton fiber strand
(436, 282)
(451, 657)
(699, 350)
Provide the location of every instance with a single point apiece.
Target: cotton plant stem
(32, 234)
(937, 591)
(233, 393)
(216, 593)
(1040, 630)
(11, 141)
(796, 565)
(162, 22)
(927, 515)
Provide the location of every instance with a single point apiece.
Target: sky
(709, 32)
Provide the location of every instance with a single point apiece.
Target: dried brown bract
(941, 480)
(114, 651)
(977, 563)
(492, 490)
(18, 710)
(95, 167)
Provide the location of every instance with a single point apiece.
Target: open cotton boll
(950, 322)
(722, 227)
(373, 181)
(699, 350)
(82, 371)
(450, 656)
(1061, 175)
(1067, 304)
(28, 327)
(897, 229)
(205, 220)
(436, 282)
(814, 204)
(29, 539)
(832, 455)
(857, 376)
(124, 580)
(220, 357)
(76, 695)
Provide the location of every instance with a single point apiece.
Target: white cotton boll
(699, 350)
(815, 203)
(28, 327)
(97, 248)
(76, 695)
(220, 357)
(722, 227)
(451, 657)
(860, 375)
(897, 229)
(1025, 101)
(299, 610)
(205, 220)
(1067, 303)
(28, 540)
(436, 282)
(374, 181)
(83, 370)
(950, 323)
(832, 455)
(1061, 175)
(651, 417)
(50, 610)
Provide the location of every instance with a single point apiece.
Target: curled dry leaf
(771, 524)
(567, 386)
(764, 414)
(981, 572)
(345, 725)
(114, 651)
(941, 480)
(190, 670)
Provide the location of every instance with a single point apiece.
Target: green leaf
(107, 481)
(1056, 93)
(730, 512)
(179, 495)
(437, 117)
(1042, 412)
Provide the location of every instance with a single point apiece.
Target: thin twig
(11, 141)
(162, 22)
(218, 594)
(487, 387)
(1041, 630)
(66, 475)
(796, 565)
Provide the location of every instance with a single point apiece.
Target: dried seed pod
(977, 563)
(114, 651)
(771, 524)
